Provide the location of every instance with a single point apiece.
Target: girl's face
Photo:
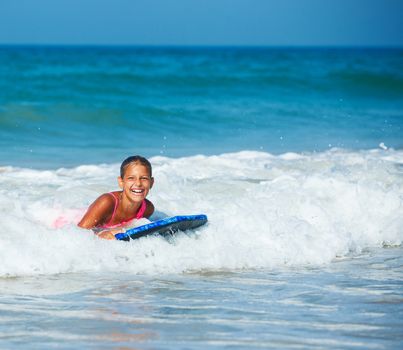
(136, 182)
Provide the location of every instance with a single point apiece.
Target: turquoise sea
(295, 155)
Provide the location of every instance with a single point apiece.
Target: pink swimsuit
(138, 215)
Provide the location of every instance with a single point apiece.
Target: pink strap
(139, 214)
(114, 210)
(142, 209)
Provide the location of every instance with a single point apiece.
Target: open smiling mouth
(137, 191)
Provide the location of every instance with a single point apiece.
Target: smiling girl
(113, 212)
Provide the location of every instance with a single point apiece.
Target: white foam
(264, 211)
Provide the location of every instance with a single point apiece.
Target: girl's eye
(145, 178)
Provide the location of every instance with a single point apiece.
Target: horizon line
(203, 46)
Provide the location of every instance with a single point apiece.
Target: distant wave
(370, 82)
(107, 102)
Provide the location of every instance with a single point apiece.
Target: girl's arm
(98, 214)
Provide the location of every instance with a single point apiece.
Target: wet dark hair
(135, 159)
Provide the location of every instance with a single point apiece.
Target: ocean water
(295, 155)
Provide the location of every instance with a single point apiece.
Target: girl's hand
(106, 235)
(109, 234)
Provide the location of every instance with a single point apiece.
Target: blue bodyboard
(164, 226)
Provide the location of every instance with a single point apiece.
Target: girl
(112, 212)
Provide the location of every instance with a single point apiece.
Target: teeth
(137, 191)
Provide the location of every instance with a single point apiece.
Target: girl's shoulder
(110, 196)
(107, 199)
(100, 211)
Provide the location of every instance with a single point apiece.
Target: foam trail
(264, 211)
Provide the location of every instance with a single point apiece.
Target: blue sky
(203, 22)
